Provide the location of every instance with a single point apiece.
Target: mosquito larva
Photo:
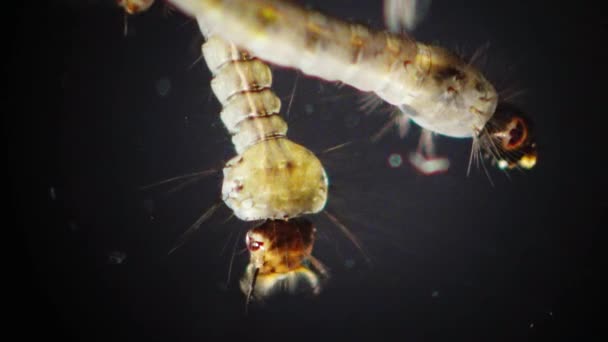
(271, 178)
(429, 85)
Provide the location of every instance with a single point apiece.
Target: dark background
(93, 115)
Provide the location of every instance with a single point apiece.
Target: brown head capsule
(509, 140)
(280, 258)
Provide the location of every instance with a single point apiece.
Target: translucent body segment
(218, 52)
(457, 100)
(234, 78)
(239, 108)
(257, 129)
(241, 84)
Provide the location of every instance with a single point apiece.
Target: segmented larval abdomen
(453, 97)
(242, 85)
(271, 177)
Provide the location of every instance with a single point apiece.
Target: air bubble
(395, 160)
(309, 109)
(116, 257)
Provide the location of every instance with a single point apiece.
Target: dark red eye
(254, 245)
(516, 133)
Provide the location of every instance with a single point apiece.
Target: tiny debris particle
(116, 257)
(309, 109)
(52, 193)
(435, 294)
(395, 160)
(163, 86)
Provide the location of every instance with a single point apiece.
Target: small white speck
(502, 164)
(52, 193)
(531, 325)
(163, 86)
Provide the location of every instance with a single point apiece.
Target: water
(93, 127)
